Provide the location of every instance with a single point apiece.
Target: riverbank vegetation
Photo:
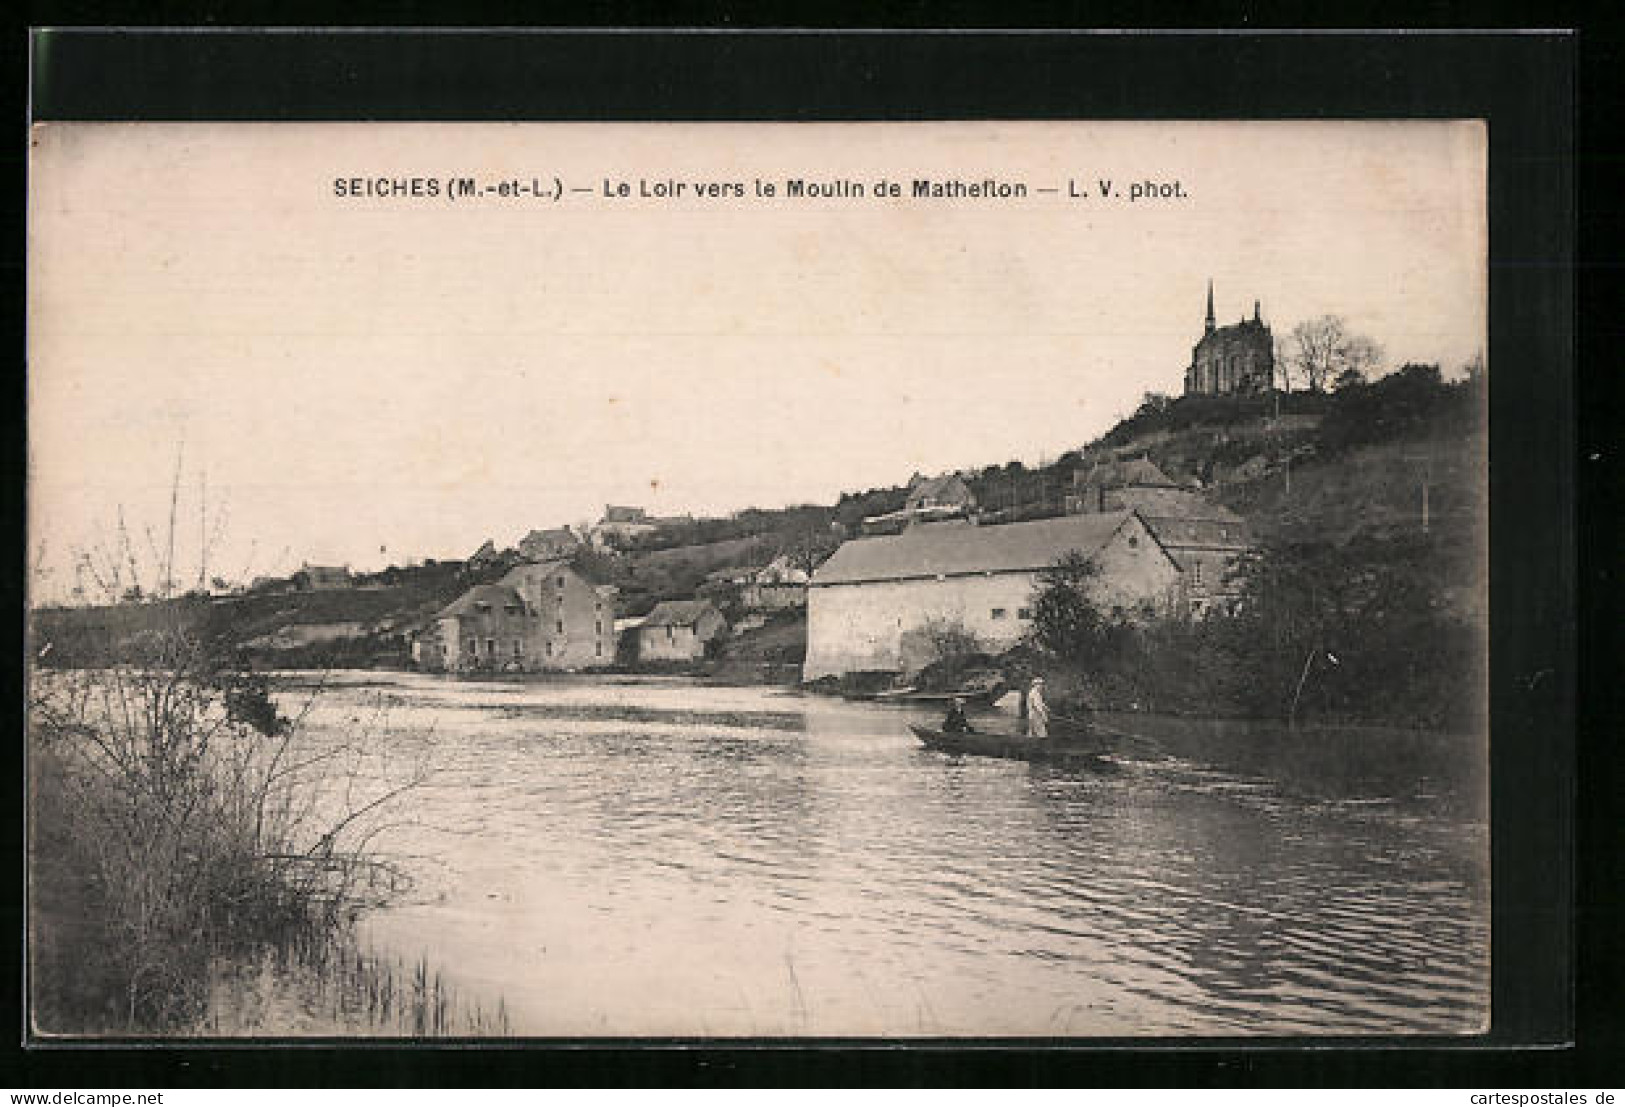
(1351, 490)
(179, 822)
(1359, 632)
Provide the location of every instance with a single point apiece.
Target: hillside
(1332, 463)
(1301, 467)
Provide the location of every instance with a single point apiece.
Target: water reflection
(659, 858)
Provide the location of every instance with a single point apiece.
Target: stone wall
(858, 627)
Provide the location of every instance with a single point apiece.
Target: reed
(330, 985)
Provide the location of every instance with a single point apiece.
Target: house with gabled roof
(321, 578)
(1205, 539)
(484, 556)
(948, 490)
(488, 627)
(868, 604)
(679, 630)
(539, 616)
(550, 544)
(575, 618)
(929, 499)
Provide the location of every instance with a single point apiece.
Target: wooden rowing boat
(1077, 748)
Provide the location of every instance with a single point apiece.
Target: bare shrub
(176, 817)
(937, 639)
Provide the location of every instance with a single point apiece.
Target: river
(652, 857)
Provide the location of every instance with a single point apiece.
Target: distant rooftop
(678, 613)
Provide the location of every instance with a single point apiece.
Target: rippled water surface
(644, 857)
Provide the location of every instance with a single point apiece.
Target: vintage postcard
(907, 580)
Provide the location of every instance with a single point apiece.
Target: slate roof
(538, 570)
(1209, 533)
(539, 539)
(495, 595)
(1114, 474)
(545, 566)
(948, 488)
(1172, 503)
(678, 613)
(953, 548)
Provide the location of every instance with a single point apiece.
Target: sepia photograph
(842, 580)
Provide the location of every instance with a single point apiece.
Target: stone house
(934, 493)
(620, 526)
(1207, 548)
(678, 630)
(549, 545)
(1237, 358)
(1117, 485)
(539, 616)
(869, 605)
(1205, 539)
(489, 627)
(321, 578)
(484, 556)
(777, 586)
(575, 618)
(929, 499)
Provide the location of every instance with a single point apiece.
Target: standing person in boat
(1037, 710)
(955, 722)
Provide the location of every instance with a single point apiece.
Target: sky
(369, 380)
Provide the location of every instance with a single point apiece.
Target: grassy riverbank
(181, 935)
(332, 987)
(125, 933)
(179, 824)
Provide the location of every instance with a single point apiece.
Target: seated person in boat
(955, 722)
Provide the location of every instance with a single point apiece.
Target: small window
(474, 646)
(1133, 541)
(490, 647)
(999, 612)
(1024, 613)
(549, 649)
(1196, 572)
(559, 626)
(519, 647)
(560, 582)
(598, 650)
(600, 626)
(670, 634)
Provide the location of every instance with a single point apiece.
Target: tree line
(1359, 632)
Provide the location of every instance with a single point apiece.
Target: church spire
(1256, 314)
(1210, 303)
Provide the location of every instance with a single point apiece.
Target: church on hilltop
(1228, 360)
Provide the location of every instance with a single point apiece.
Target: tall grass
(177, 820)
(173, 826)
(328, 985)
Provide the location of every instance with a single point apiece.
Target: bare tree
(1320, 350)
(1285, 370)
